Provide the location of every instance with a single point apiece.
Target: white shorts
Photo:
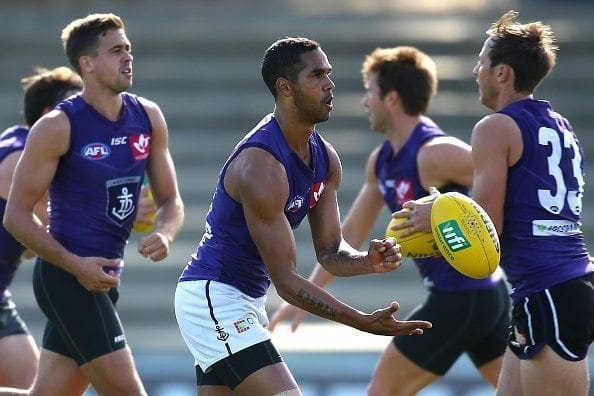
(217, 320)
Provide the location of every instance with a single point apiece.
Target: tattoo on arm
(345, 257)
(318, 305)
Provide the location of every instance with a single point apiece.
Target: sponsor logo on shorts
(453, 236)
(222, 334)
(244, 324)
(120, 338)
(241, 326)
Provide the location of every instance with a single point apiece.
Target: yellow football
(417, 244)
(465, 235)
(142, 226)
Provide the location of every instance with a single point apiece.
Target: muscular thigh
(81, 325)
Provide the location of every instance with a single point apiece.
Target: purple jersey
(398, 182)
(11, 140)
(94, 194)
(542, 243)
(226, 252)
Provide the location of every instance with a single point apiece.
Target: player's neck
(401, 129)
(108, 105)
(508, 97)
(296, 131)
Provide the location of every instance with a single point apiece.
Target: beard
(311, 111)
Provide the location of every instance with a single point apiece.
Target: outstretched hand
(417, 214)
(383, 322)
(384, 255)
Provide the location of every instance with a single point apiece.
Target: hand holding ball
(417, 244)
(462, 233)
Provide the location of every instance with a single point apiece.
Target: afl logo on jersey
(95, 151)
(295, 204)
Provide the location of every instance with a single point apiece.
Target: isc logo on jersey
(95, 151)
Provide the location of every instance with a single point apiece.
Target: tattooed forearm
(345, 256)
(318, 305)
(346, 261)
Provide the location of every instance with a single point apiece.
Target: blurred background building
(200, 60)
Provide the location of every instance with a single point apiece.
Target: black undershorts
(232, 370)
(475, 322)
(82, 325)
(561, 317)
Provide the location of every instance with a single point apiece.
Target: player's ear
(85, 63)
(392, 97)
(284, 87)
(504, 72)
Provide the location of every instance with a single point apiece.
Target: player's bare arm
(441, 161)
(332, 251)
(48, 140)
(258, 182)
(366, 208)
(6, 170)
(163, 180)
(7, 167)
(445, 160)
(496, 142)
(356, 228)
